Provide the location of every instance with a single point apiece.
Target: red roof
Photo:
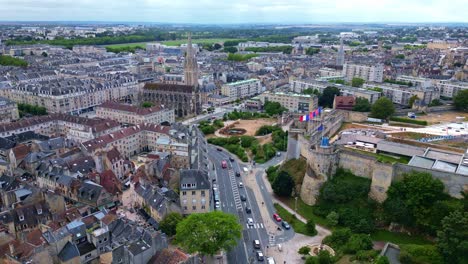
(35, 238)
(110, 182)
(344, 102)
(21, 151)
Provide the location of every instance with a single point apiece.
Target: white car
(217, 205)
(250, 221)
(241, 185)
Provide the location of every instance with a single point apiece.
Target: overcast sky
(236, 11)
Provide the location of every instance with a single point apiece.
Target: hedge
(408, 120)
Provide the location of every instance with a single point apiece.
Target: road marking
(261, 225)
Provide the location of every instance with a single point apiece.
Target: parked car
(260, 256)
(243, 198)
(241, 185)
(238, 174)
(256, 244)
(248, 210)
(231, 159)
(277, 217)
(250, 221)
(219, 149)
(285, 225)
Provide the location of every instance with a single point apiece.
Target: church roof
(169, 87)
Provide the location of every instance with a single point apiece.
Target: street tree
(328, 95)
(461, 100)
(283, 184)
(412, 99)
(452, 238)
(310, 227)
(169, 223)
(362, 105)
(383, 108)
(305, 250)
(357, 82)
(208, 233)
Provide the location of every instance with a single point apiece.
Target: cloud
(237, 11)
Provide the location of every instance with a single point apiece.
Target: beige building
(370, 73)
(8, 111)
(450, 88)
(298, 86)
(76, 128)
(76, 97)
(129, 114)
(194, 191)
(294, 102)
(241, 89)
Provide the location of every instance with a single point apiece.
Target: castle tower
(190, 65)
(340, 59)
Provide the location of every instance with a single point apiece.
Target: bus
(224, 164)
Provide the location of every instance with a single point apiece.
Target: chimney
(12, 249)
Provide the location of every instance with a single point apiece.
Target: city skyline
(227, 12)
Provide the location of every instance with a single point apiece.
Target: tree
(44, 54)
(169, 223)
(338, 238)
(358, 242)
(357, 82)
(333, 218)
(382, 260)
(217, 46)
(312, 51)
(461, 100)
(328, 95)
(208, 233)
(310, 227)
(452, 238)
(412, 99)
(146, 104)
(274, 108)
(362, 105)
(383, 108)
(400, 56)
(435, 102)
(305, 250)
(283, 184)
(230, 49)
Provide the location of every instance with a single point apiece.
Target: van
(270, 260)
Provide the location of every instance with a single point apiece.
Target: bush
(338, 238)
(310, 227)
(356, 243)
(408, 120)
(11, 61)
(333, 218)
(420, 254)
(283, 184)
(305, 250)
(366, 255)
(272, 172)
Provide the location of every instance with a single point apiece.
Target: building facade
(370, 73)
(450, 88)
(129, 114)
(297, 103)
(8, 110)
(194, 191)
(241, 89)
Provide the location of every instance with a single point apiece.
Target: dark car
(231, 159)
(219, 149)
(260, 256)
(256, 244)
(238, 174)
(285, 225)
(248, 210)
(243, 198)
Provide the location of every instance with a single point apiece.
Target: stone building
(130, 114)
(8, 110)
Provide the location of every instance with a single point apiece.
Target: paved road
(230, 193)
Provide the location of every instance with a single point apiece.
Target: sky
(236, 11)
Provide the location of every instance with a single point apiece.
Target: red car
(277, 217)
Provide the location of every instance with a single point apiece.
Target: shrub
(357, 242)
(408, 120)
(419, 254)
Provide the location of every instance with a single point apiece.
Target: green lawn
(306, 211)
(172, 42)
(299, 227)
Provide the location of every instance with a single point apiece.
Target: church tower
(190, 65)
(340, 59)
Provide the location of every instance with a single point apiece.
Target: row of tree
(12, 61)
(25, 109)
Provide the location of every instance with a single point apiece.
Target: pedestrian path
(255, 226)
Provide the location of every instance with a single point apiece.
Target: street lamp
(295, 206)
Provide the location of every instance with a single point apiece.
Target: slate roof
(69, 251)
(197, 177)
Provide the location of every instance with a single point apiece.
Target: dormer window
(21, 217)
(39, 211)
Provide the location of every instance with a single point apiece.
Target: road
(230, 193)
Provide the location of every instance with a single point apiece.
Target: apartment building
(130, 114)
(194, 191)
(76, 128)
(370, 73)
(330, 72)
(241, 89)
(294, 102)
(450, 88)
(72, 95)
(8, 110)
(401, 94)
(371, 96)
(298, 86)
(416, 81)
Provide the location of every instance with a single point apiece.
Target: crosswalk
(235, 190)
(255, 226)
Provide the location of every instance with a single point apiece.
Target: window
(185, 207)
(203, 193)
(193, 192)
(202, 207)
(194, 208)
(184, 193)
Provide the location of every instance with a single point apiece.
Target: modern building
(130, 114)
(415, 81)
(241, 89)
(371, 96)
(298, 86)
(450, 88)
(297, 103)
(401, 94)
(370, 73)
(194, 191)
(8, 110)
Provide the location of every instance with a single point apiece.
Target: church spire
(190, 65)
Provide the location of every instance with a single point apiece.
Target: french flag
(304, 118)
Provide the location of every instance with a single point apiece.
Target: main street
(230, 199)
